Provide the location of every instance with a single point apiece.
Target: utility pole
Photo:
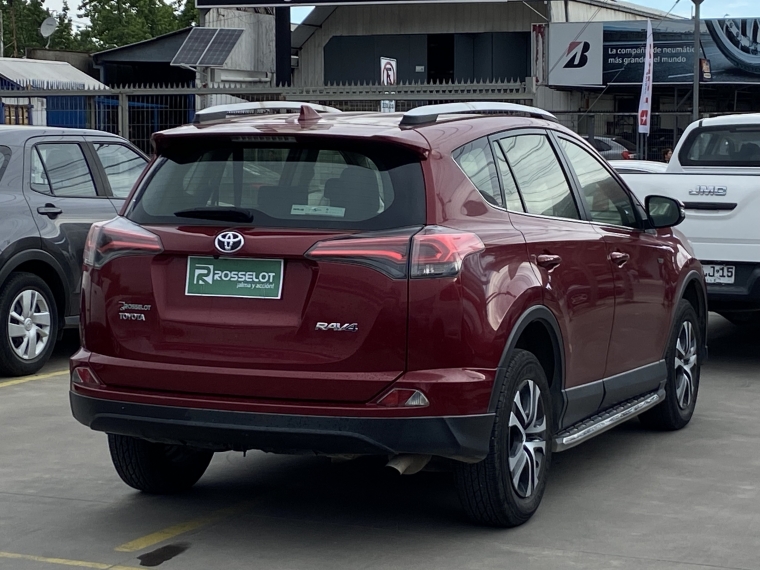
(12, 6)
(697, 52)
(2, 36)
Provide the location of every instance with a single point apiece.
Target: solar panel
(220, 48)
(207, 47)
(194, 46)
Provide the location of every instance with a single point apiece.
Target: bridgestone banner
(732, 47)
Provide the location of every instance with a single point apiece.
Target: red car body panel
(445, 337)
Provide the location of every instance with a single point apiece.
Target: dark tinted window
(476, 162)
(352, 185)
(605, 199)
(731, 146)
(61, 169)
(539, 176)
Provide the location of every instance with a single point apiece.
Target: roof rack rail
(429, 113)
(219, 112)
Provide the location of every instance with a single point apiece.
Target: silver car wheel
(685, 362)
(29, 324)
(527, 439)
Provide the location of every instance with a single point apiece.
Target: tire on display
(506, 488)
(29, 318)
(157, 468)
(683, 359)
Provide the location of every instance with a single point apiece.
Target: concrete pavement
(630, 499)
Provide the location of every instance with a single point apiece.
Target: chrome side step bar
(585, 430)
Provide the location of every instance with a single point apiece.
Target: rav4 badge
(348, 327)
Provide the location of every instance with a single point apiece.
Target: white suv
(715, 172)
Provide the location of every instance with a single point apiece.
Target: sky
(710, 8)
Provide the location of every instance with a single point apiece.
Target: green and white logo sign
(231, 277)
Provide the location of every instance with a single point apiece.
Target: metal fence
(137, 112)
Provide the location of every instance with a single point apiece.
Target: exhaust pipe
(408, 464)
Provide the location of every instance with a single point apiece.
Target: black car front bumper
(742, 295)
(458, 437)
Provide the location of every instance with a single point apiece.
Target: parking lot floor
(629, 499)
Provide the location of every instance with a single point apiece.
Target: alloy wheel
(527, 439)
(29, 324)
(685, 363)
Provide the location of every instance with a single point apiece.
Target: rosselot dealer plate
(234, 277)
(724, 274)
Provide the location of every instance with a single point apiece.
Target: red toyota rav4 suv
(477, 287)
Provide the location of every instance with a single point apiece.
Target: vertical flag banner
(645, 103)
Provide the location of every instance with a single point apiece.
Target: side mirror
(664, 212)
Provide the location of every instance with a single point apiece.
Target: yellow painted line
(173, 531)
(65, 562)
(33, 378)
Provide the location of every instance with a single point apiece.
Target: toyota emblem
(229, 242)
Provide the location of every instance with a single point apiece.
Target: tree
(116, 23)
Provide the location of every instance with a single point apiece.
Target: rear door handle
(49, 210)
(548, 261)
(619, 258)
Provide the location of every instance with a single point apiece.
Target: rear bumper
(742, 295)
(464, 438)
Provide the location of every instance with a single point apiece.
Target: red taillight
(116, 238)
(387, 252)
(439, 252)
(626, 155)
(436, 251)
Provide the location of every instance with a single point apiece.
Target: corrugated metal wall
(255, 50)
(412, 19)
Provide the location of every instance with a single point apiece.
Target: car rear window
(351, 185)
(737, 146)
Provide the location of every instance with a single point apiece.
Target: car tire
(684, 360)
(29, 317)
(157, 468)
(505, 489)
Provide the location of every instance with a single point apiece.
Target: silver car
(614, 148)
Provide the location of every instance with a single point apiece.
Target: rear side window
(122, 166)
(476, 162)
(737, 146)
(539, 176)
(600, 145)
(61, 169)
(352, 186)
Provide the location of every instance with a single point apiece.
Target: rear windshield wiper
(228, 214)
